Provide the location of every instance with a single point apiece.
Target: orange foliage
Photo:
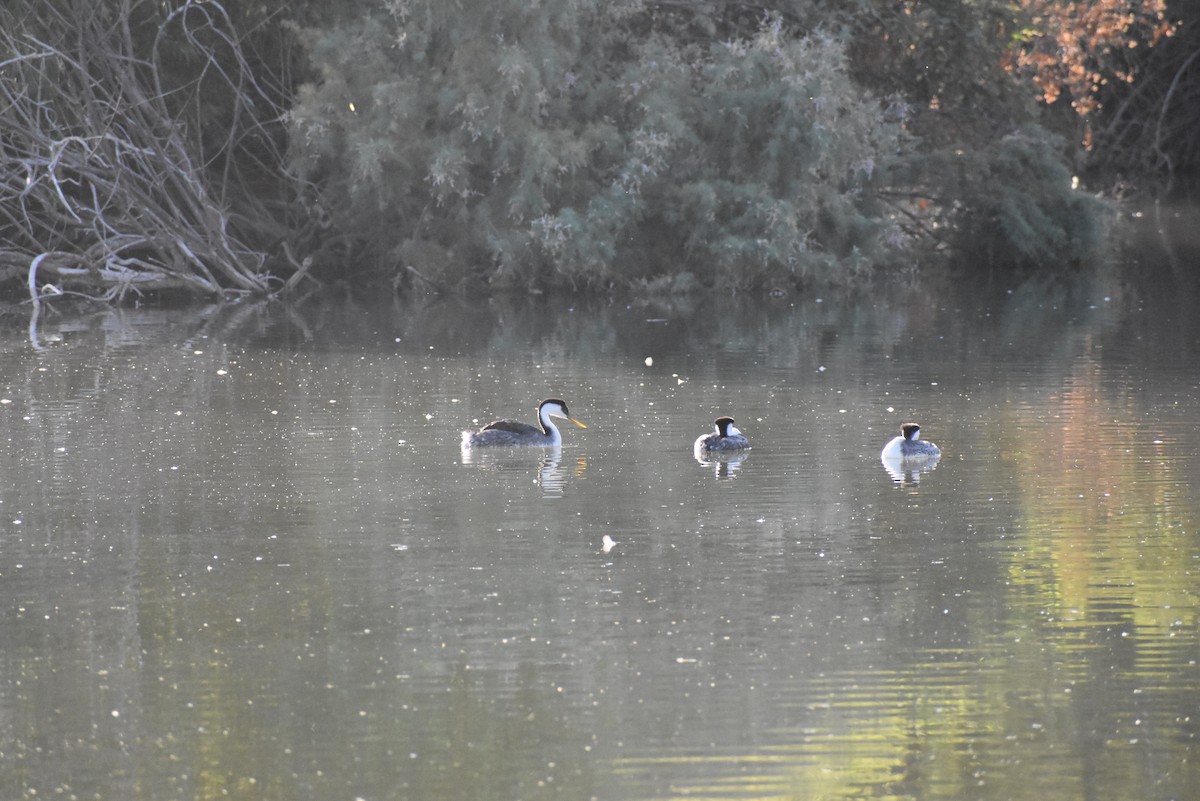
(1074, 48)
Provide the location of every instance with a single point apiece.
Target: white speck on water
(649, 361)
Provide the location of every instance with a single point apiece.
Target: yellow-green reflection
(247, 570)
(1108, 539)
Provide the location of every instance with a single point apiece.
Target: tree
(591, 144)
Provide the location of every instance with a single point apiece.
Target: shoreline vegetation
(198, 149)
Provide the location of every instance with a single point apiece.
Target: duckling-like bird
(909, 446)
(725, 437)
(514, 432)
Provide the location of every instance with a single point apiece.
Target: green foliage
(989, 177)
(591, 144)
(1022, 206)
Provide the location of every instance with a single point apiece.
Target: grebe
(725, 437)
(908, 446)
(514, 432)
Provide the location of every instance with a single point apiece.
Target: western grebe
(514, 432)
(909, 446)
(725, 437)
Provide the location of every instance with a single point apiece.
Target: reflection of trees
(862, 640)
(1101, 572)
(1104, 516)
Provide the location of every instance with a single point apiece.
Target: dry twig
(103, 174)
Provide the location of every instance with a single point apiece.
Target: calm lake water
(242, 555)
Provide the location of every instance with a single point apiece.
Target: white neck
(548, 424)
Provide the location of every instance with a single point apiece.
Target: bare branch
(103, 178)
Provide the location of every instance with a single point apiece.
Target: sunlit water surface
(242, 555)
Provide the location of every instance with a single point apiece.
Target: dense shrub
(1025, 207)
(592, 143)
(507, 143)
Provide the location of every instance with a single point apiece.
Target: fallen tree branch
(103, 179)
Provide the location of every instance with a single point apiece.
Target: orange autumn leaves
(1075, 48)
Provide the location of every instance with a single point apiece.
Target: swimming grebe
(908, 446)
(725, 437)
(514, 432)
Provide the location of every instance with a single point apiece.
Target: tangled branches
(130, 136)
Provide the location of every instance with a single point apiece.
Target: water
(242, 555)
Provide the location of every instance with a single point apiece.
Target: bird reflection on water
(908, 472)
(551, 473)
(723, 463)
